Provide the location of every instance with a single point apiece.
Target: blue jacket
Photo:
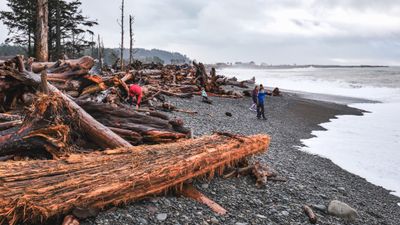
(261, 96)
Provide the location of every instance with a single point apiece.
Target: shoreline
(312, 179)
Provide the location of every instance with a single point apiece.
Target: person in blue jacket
(260, 102)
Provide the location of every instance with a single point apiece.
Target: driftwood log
(34, 191)
(137, 128)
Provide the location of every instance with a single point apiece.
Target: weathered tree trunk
(57, 54)
(122, 34)
(99, 55)
(131, 20)
(44, 84)
(34, 191)
(42, 51)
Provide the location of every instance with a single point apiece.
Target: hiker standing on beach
(260, 104)
(254, 96)
(136, 91)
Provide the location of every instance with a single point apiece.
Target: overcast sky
(271, 31)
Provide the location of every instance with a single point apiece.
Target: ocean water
(368, 145)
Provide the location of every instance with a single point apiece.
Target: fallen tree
(34, 191)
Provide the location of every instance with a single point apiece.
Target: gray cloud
(280, 31)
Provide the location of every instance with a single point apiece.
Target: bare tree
(58, 32)
(122, 34)
(99, 52)
(131, 40)
(42, 14)
(92, 45)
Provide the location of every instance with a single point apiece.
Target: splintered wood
(34, 191)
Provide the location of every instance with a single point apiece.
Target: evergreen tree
(68, 28)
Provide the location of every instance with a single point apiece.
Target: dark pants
(260, 110)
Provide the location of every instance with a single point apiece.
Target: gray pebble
(162, 216)
(214, 220)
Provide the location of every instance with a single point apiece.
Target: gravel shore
(312, 180)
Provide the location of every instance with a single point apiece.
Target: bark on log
(97, 132)
(34, 191)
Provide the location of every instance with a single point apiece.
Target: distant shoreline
(249, 66)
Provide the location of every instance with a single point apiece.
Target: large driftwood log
(85, 62)
(97, 132)
(38, 190)
(153, 128)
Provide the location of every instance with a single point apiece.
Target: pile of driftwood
(83, 79)
(66, 138)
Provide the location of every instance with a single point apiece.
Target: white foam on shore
(368, 145)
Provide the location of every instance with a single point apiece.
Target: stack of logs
(78, 137)
(120, 125)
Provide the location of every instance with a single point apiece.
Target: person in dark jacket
(260, 105)
(254, 95)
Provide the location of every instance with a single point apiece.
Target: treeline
(111, 55)
(68, 34)
(10, 50)
(69, 31)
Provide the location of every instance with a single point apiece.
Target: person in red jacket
(136, 91)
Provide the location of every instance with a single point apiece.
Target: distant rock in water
(342, 210)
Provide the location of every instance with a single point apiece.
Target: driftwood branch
(191, 192)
